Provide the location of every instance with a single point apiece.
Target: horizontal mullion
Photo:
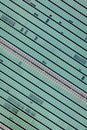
(23, 82)
(49, 105)
(38, 77)
(24, 115)
(50, 96)
(8, 114)
(63, 8)
(30, 51)
(8, 122)
(82, 3)
(42, 112)
(51, 6)
(42, 43)
(3, 125)
(75, 6)
(49, 30)
(58, 17)
(54, 26)
(69, 7)
(64, 48)
(55, 87)
(46, 54)
(50, 63)
(49, 116)
(55, 18)
(23, 47)
(18, 119)
(40, 118)
(45, 32)
(77, 124)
